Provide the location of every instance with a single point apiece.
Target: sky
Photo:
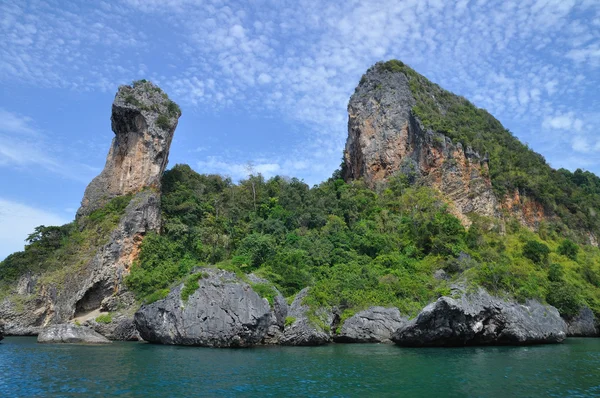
(267, 82)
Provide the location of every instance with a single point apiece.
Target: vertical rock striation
(386, 139)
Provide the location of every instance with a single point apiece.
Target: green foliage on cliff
(354, 246)
(56, 252)
(104, 318)
(513, 165)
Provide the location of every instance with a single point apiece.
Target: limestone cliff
(90, 281)
(385, 139)
(144, 121)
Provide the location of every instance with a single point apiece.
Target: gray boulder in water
(373, 325)
(303, 329)
(71, 334)
(481, 319)
(223, 312)
(1, 330)
(584, 324)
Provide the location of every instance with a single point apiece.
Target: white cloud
(18, 220)
(13, 123)
(23, 146)
(529, 62)
(590, 54)
(237, 171)
(566, 121)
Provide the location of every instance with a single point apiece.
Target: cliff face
(386, 139)
(144, 120)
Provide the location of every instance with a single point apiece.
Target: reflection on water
(136, 369)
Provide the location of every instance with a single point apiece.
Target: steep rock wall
(144, 121)
(385, 139)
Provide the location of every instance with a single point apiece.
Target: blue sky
(268, 82)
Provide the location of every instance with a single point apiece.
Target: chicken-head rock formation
(91, 281)
(386, 139)
(144, 121)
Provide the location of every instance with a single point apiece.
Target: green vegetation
(569, 249)
(289, 320)
(513, 165)
(136, 83)
(190, 285)
(163, 122)
(173, 109)
(61, 251)
(536, 252)
(104, 318)
(354, 246)
(265, 290)
(130, 99)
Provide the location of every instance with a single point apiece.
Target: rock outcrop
(85, 287)
(223, 312)
(70, 334)
(304, 329)
(481, 319)
(583, 325)
(385, 139)
(120, 328)
(373, 325)
(144, 120)
(1, 330)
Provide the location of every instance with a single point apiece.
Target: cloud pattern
(534, 64)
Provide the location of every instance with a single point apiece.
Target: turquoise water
(143, 370)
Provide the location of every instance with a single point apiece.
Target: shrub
(289, 320)
(191, 285)
(136, 83)
(157, 295)
(536, 252)
(173, 109)
(565, 298)
(163, 122)
(104, 318)
(555, 273)
(265, 290)
(568, 249)
(130, 99)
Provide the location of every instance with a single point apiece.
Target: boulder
(1, 330)
(121, 328)
(71, 334)
(223, 312)
(305, 329)
(373, 325)
(481, 319)
(583, 325)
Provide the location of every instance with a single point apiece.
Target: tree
(568, 249)
(536, 252)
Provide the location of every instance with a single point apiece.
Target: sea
(135, 369)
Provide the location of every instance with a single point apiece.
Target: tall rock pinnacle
(386, 139)
(144, 121)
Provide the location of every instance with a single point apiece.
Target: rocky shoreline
(226, 311)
